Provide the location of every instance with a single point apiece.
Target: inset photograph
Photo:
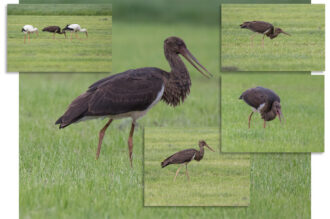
(59, 38)
(184, 167)
(272, 112)
(272, 37)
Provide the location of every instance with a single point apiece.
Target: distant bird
(75, 28)
(132, 93)
(264, 101)
(27, 29)
(54, 30)
(263, 28)
(185, 156)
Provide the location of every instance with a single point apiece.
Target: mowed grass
(43, 54)
(217, 180)
(302, 101)
(304, 50)
(59, 177)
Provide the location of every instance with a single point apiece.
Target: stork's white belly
(133, 114)
(261, 106)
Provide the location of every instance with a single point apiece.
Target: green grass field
(303, 51)
(43, 54)
(217, 180)
(59, 177)
(302, 101)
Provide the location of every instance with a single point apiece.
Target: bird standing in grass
(54, 30)
(27, 30)
(75, 28)
(134, 92)
(264, 101)
(264, 28)
(185, 156)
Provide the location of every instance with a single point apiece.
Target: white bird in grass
(75, 28)
(27, 29)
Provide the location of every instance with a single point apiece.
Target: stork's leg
(71, 35)
(130, 142)
(101, 135)
(77, 35)
(250, 118)
(24, 38)
(187, 171)
(29, 36)
(263, 38)
(177, 172)
(252, 38)
(264, 123)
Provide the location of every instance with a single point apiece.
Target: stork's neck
(200, 153)
(270, 115)
(178, 83)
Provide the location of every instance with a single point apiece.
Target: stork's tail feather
(59, 122)
(164, 163)
(244, 25)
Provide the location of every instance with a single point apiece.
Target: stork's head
(175, 46)
(203, 143)
(277, 32)
(276, 108)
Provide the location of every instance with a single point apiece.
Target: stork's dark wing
(259, 26)
(180, 157)
(53, 29)
(133, 90)
(259, 95)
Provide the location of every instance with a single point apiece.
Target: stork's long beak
(209, 148)
(286, 33)
(280, 115)
(190, 58)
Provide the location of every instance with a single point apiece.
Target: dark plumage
(54, 29)
(264, 101)
(264, 28)
(185, 156)
(132, 93)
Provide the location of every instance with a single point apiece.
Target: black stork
(264, 28)
(132, 93)
(185, 156)
(264, 101)
(54, 30)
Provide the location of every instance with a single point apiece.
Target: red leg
(130, 142)
(101, 135)
(264, 123)
(250, 118)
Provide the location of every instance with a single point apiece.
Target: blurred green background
(58, 174)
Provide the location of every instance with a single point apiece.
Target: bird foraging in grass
(185, 156)
(27, 30)
(131, 94)
(264, 101)
(264, 28)
(75, 28)
(54, 30)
